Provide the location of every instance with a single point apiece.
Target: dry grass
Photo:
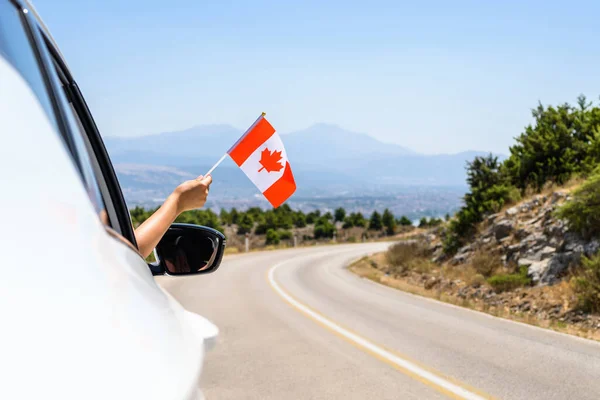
(403, 257)
(560, 293)
(231, 250)
(485, 263)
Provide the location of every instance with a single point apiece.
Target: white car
(81, 314)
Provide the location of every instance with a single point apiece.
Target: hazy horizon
(468, 150)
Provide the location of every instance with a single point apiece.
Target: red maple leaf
(270, 160)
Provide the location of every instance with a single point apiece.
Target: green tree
(300, 221)
(234, 216)
(339, 214)
(423, 222)
(272, 237)
(312, 217)
(356, 219)
(375, 223)
(328, 216)
(404, 221)
(225, 217)
(269, 221)
(552, 149)
(246, 223)
(389, 222)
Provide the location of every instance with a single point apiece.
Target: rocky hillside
(521, 263)
(529, 235)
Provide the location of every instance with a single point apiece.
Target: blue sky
(435, 76)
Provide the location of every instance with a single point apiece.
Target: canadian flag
(262, 157)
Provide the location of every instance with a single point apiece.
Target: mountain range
(327, 161)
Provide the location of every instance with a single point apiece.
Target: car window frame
(49, 60)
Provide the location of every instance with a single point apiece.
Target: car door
(104, 327)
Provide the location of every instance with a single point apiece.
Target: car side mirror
(189, 250)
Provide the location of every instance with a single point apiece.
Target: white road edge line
(392, 358)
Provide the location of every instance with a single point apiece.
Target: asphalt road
(309, 329)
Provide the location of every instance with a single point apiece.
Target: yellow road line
(449, 387)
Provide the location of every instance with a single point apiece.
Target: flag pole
(262, 115)
(216, 165)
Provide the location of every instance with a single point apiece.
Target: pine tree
(375, 223)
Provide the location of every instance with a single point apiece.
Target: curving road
(309, 329)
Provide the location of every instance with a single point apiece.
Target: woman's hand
(192, 194)
(188, 196)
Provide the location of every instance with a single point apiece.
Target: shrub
(272, 237)
(323, 228)
(586, 284)
(485, 263)
(582, 213)
(404, 221)
(507, 282)
(407, 256)
(477, 280)
(285, 235)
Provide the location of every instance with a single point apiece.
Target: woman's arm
(188, 196)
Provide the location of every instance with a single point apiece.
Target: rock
(544, 253)
(525, 262)
(521, 233)
(511, 212)
(430, 238)
(549, 270)
(591, 248)
(459, 259)
(502, 229)
(430, 283)
(536, 269)
(491, 218)
(554, 242)
(556, 229)
(576, 247)
(556, 196)
(525, 207)
(505, 240)
(532, 221)
(547, 212)
(465, 249)
(513, 248)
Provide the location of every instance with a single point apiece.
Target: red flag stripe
(282, 189)
(256, 136)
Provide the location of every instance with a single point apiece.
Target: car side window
(94, 160)
(89, 163)
(16, 48)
